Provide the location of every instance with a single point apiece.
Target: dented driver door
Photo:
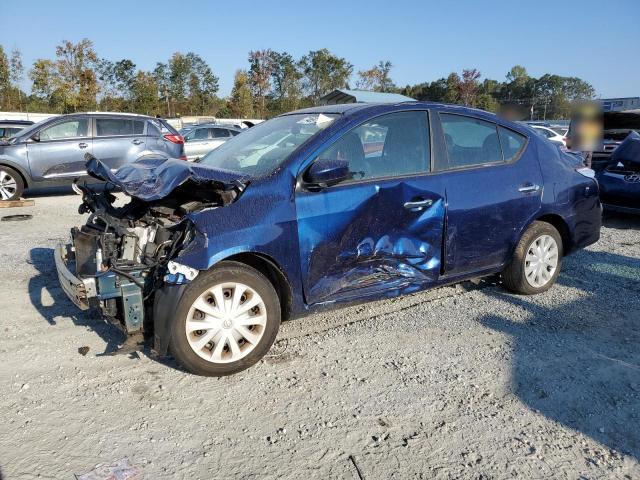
(379, 234)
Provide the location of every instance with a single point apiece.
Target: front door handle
(83, 145)
(416, 205)
(137, 142)
(529, 188)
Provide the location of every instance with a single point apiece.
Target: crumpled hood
(153, 179)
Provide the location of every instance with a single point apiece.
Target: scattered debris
(119, 470)
(355, 465)
(83, 350)
(16, 218)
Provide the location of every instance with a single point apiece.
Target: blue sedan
(319, 208)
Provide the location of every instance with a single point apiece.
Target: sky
(425, 40)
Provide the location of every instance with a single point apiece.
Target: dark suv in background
(51, 152)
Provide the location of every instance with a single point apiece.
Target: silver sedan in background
(201, 139)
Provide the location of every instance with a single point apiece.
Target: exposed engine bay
(123, 254)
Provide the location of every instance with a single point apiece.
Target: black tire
(13, 189)
(224, 272)
(513, 276)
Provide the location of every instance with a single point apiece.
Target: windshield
(261, 149)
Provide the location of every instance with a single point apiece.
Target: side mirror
(35, 137)
(324, 173)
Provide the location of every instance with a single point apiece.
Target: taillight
(174, 138)
(182, 157)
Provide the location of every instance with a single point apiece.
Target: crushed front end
(123, 255)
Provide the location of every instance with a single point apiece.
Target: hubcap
(541, 261)
(8, 185)
(226, 322)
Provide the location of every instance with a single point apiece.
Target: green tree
(452, 95)
(144, 94)
(324, 72)
(5, 79)
(259, 75)
(76, 78)
(285, 83)
(468, 87)
(16, 73)
(203, 86)
(161, 77)
(377, 78)
(241, 101)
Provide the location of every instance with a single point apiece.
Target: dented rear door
(381, 233)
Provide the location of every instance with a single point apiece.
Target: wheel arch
(563, 229)
(270, 269)
(23, 174)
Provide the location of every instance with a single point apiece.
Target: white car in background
(201, 139)
(550, 134)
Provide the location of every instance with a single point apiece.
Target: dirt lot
(460, 382)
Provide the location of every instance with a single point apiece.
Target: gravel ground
(459, 382)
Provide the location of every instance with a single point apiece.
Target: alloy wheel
(8, 185)
(541, 261)
(226, 322)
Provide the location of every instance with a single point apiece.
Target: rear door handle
(137, 142)
(83, 145)
(529, 188)
(418, 204)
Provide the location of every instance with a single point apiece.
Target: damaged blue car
(320, 208)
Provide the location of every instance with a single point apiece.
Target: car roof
(353, 108)
(216, 125)
(17, 122)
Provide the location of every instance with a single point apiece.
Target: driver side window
(391, 145)
(69, 129)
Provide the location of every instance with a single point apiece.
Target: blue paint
(357, 241)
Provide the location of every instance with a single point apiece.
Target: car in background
(318, 208)
(616, 127)
(52, 152)
(202, 139)
(550, 134)
(8, 128)
(619, 181)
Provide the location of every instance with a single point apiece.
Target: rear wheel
(226, 321)
(11, 184)
(536, 260)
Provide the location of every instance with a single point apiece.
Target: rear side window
(106, 127)
(396, 144)
(512, 143)
(158, 126)
(69, 129)
(198, 134)
(220, 133)
(470, 141)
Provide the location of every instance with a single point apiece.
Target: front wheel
(536, 260)
(226, 321)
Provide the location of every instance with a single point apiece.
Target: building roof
(341, 95)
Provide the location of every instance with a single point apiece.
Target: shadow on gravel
(46, 281)
(621, 221)
(578, 363)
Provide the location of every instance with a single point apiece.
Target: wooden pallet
(16, 203)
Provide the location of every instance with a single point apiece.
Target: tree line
(77, 79)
